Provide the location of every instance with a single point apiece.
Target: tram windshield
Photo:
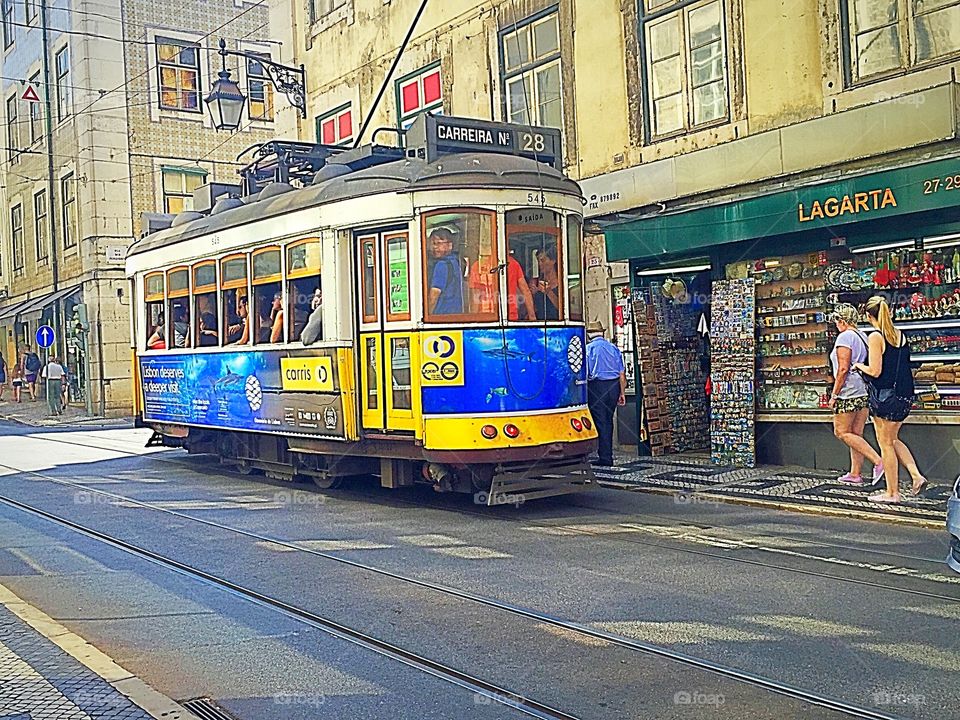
(460, 257)
(534, 267)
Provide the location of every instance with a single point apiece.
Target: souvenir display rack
(675, 408)
(733, 367)
(794, 333)
(922, 284)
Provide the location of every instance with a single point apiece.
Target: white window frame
(336, 113)
(172, 39)
(905, 25)
(29, 5)
(681, 10)
(8, 16)
(530, 69)
(244, 81)
(319, 22)
(64, 94)
(42, 250)
(35, 111)
(404, 119)
(66, 212)
(14, 144)
(17, 241)
(183, 171)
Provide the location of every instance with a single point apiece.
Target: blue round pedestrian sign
(45, 336)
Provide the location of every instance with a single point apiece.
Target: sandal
(916, 488)
(884, 498)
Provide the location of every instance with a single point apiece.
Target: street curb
(123, 681)
(781, 505)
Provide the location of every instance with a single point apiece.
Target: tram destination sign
(432, 136)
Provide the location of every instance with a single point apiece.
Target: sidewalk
(35, 413)
(692, 479)
(48, 672)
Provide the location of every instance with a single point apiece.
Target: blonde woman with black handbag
(891, 393)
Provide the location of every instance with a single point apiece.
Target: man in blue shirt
(606, 387)
(446, 277)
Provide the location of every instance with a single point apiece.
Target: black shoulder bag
(890, 403)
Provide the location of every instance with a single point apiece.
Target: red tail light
(576, 424)
(488, 431)
(511, 430)
(586, 423)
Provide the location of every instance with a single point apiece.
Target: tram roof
(460, 171)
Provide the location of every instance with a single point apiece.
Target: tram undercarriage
(492, 478)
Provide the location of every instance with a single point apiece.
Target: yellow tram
(415, 313)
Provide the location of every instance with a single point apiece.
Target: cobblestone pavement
(35, 413)
(39, 681)
(694, 479)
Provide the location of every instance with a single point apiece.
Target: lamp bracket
(290, 81)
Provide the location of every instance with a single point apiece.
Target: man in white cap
(606, 387)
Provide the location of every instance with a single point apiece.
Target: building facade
(104, 117)
(716, 135)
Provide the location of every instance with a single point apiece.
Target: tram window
(267, 297)
(235, 299)
(575, 266)
(400, 370)
(373, 390)
(206, 328)
(178, 308)
(304, 298)
(398, 298)
(534, 268)
(153, 286)
(461, 281)
(368, 278)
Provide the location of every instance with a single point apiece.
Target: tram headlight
(576, 424)
(511, 431)
(488, 431)
(586, 423)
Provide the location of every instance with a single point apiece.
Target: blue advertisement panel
(503, 370)
(265, 391)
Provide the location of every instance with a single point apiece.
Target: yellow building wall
(782, 62)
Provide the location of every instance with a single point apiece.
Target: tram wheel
(327, 482)
(244, 467)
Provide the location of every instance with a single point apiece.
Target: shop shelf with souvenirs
(795, 298)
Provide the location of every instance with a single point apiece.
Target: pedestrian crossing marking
(472, 552)
(431, 540)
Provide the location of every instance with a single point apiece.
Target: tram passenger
(157, 341)
(520, 304)
(264, 324)
(276, 318)
(209, 337)
(546, 288)
(181, 329)
(446, 277)
(238, 333)
(313, 330)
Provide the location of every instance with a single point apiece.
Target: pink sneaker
(849, 479)
(877, 472)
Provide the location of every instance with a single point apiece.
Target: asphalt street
(858, 611)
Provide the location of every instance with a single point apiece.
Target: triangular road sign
(30, 94)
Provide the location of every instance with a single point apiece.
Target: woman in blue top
(849, 396)
(891, 396)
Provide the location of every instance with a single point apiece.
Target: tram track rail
(458, 677)
(937, 562)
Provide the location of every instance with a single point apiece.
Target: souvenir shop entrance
(671, 310)
(769, 299)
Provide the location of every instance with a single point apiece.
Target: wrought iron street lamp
(226, 100)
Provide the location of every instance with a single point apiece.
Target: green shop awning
(874, 196)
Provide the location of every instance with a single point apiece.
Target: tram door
(389, 388)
